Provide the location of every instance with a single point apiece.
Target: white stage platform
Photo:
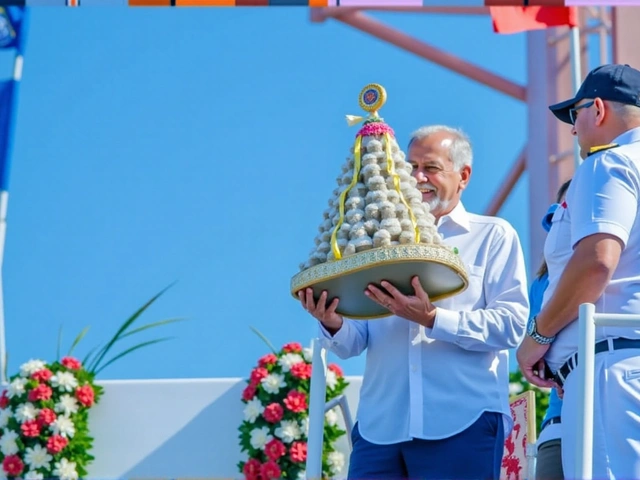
(174, 428)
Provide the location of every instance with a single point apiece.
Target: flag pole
(576, 77)
(4, 203)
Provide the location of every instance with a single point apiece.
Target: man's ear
(600, 110)
(465, 175)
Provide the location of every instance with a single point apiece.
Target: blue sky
(201, 146)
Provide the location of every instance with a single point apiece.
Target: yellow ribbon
(357, 151)
(396, 183)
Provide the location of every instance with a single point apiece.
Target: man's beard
(437, 203)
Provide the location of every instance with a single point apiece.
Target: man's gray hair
(460, 152)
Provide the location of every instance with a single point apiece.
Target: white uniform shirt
(438, 387)
(602, 198)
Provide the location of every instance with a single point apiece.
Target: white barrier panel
(174, 428)
(585, 371)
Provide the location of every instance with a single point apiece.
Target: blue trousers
(473, 454)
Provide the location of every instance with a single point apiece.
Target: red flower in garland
(296, 401)
(336, 369)
(251, 469)
(293, 347)
(71, 363)
(43, 375)
(12, 465)
(268, 359)
(298, 452)
(301, 370)
(273, 412)
(270, 470)
(30, 428)
(41, 392)
(275, 449)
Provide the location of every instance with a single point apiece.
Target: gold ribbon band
(396, 183)
(357, 152)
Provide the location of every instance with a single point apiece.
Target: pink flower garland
(375, 129)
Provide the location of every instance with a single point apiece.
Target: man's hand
(417, 308)
(530, 355)
(324, 314)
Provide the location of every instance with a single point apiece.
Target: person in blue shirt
(549, 457)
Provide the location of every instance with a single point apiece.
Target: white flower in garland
(32, 366)
(37, 457)
(273, 383)
(64, 381)
(307, 353)
(288, 360)
(331, 417)
(332, 379)
(8, 444)
(5, 416)
(304, 426)
(335, 461)
(260, 437)
(63, 426)
(253, 410)
(16, 388)
(67, 405)
(288, 431)
(65, 469)
(33, 475)
(26, 411)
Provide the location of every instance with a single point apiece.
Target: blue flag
(13, 27)
(8, 90)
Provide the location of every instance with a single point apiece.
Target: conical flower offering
(377, 227)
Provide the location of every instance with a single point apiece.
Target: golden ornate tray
(441, 272)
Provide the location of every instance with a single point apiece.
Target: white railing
(586, 364)
(317, 409)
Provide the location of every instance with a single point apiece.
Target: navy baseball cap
(616, 83)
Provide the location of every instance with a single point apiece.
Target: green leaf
(85, 360)
(95, 364)
(151, 325)
(133, 332)
(132, 349)
(264, 339)
(77, 339)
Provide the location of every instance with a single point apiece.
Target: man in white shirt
(434, 402)
(592, 252)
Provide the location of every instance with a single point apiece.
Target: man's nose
(420, 176)
(573, 130)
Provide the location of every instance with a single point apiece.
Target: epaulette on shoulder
(601, 148)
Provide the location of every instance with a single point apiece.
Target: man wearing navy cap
(593, 255)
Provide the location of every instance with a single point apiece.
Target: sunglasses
(573, 112)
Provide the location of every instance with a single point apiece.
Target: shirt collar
(546, 220)
(630, 136)
(458, 215)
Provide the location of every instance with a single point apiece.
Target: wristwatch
(532, 331)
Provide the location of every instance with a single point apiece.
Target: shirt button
(413, 368)
(335, 344)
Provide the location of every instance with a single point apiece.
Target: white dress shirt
(602, 198)
(438, 387)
